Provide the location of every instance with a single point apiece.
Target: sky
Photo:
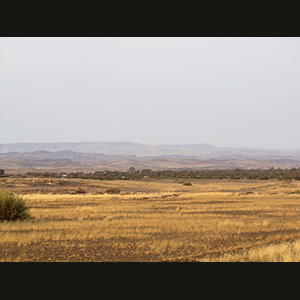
(228, 92)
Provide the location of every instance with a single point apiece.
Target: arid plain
(153, 221)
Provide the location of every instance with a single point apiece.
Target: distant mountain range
(122, 155)
(202, 151)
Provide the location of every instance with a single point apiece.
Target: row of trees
(132, 174)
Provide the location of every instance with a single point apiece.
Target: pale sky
(229, 92)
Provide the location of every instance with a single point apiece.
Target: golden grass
(159, 221)
(282, 252)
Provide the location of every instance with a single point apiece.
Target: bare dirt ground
(163, 220)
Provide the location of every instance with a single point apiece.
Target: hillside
(71, 161)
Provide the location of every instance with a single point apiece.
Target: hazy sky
(240, 92)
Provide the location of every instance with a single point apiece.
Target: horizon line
(184, 144)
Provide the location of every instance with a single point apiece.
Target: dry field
(211, 220)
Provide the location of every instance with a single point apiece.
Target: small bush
(113, 191)
(187, 183)
(80, 191)
(12, 207)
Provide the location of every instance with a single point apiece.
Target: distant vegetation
(132, 174)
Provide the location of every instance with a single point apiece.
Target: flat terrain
(162, 220)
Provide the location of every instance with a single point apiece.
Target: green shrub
(12, 207)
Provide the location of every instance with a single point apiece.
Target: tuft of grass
(12, 207)
(283, 252)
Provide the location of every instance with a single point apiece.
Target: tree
(131, 170)
(2, 172)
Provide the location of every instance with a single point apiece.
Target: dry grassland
(154, 221)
